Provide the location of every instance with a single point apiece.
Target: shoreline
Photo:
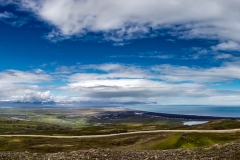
(187, 117)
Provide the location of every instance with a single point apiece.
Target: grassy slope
(127, 142)
(190, 140)
(8, 126)
(143, 141)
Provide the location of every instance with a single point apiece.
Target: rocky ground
(229, 151)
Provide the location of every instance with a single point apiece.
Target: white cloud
(196, 53)
(164, 84)
(65, 69)
(33, 96)
(22, 85)
(16, 76)
(101, 88)
(226, 72)
(126, 20)
(168, 73)
(121, 83)
(23, 93)
(227, 46)
(225, 56)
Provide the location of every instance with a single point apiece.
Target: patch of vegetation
(58, 120)
(160, 141)
(64, 145)
(190, 140)
(166, 143)
(205, 139)
(9, 126)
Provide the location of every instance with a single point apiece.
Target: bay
(218, 111)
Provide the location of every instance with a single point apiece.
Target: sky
(174, 52)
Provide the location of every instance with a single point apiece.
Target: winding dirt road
(129, 133)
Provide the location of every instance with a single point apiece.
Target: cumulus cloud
(33, 96)
(23, 93)
(125, 20)
(227, 46)
(22, 85)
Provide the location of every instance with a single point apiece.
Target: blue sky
(119, 52)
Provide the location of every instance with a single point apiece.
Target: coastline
(182, 116)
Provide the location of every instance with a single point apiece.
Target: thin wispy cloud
(12, 19)
(16, 76)
(6, 15)
(153, 54)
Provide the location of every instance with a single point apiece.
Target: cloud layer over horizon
(119, 83)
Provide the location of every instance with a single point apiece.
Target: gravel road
(128, 133)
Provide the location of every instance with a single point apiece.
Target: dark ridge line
(182, 116)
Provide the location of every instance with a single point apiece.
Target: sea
(206, 110)
(200, 110)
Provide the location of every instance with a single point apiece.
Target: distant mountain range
(92, 103)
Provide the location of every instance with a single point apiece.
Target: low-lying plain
(103, 122)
